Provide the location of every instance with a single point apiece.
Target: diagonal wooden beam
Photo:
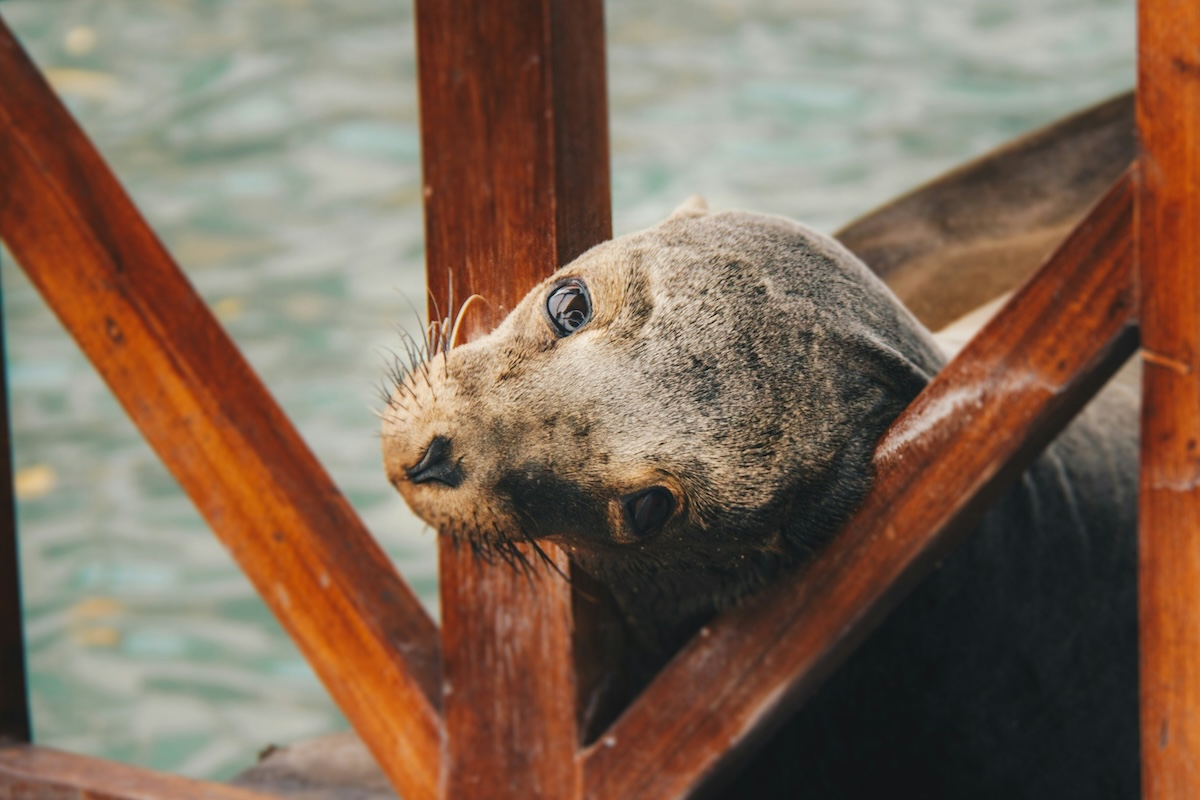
(515, 149)
(28, 772)
(980, 422)
(1168, 236)
(198, 403)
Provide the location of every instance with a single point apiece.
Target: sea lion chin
(691, 407)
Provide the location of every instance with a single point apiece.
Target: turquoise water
(273, 144)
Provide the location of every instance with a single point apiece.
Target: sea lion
(691, 411)
(940, 265)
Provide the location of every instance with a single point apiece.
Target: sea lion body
(692, 410)
(1011, 671)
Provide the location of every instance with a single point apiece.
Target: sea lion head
(685, 409)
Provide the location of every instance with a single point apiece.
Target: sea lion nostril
(648, 510)
(437, 465)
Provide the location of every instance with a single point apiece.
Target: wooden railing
(197, 402)
(1168, 256)
(515, 154)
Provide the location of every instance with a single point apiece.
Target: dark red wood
(509, 680)
(1168, 236)
(515, 146)
(983, 418)
(39, 773)
(197, 402)
(14, 687)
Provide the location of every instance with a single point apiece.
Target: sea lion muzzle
(437, 465)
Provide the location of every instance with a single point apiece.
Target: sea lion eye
(569, 307)
(648, 510)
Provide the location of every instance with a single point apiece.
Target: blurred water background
(273, 144)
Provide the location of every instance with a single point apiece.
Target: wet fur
(750, 365)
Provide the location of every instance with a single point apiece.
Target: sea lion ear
(694, 206)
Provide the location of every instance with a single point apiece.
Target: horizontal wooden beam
(28, 772)
(1168, 211)
(963, 440)
(201, 407)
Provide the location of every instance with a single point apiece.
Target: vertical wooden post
(14, 702)
(515, 148)
(1168, 212)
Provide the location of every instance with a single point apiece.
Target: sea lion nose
(438, 464)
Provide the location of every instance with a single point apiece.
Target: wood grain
(509, 680)
(197, 402)
(967, 436)
(14, 689)
(515, 147)
(28, 772)
(1168, 237)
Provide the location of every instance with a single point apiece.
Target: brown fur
(705, 370)
(748, 365)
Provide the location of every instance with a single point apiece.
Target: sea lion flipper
(964, 238)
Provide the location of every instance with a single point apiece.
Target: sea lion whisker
(392, 368)
(437, 310)
(477, 549)
(545, 557)
(402, 330)
(398, 366)
(389, 418)
(396, 380)
(401, 381)
(433, 337)
(505, 553)
(420, 325)
(397, 375)
(412, 350)
(458, 318)
(382, 394)
(526, 566)
(398, 402)
(444, 339)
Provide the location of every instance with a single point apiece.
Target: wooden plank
(510, 684)
(14, 688)
(514, 138)
(961, 442)
(198, 403)
(28, 772)
(1168, 236)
